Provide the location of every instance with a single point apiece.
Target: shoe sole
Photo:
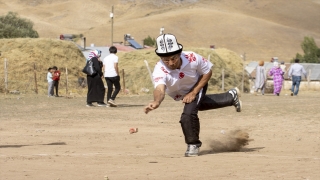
(191, 155)
(101, 105)
(89, 106)
(112, 104)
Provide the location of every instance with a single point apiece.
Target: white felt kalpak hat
(167, 45)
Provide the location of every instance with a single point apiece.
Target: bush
(311, 51)
(12, 26)
(149, 41)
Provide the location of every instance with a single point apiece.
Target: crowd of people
(278, 70)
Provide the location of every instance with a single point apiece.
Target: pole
(66, 82)
(145, 61)
(5, 75)
(35, 78)
(309, 75)
(222, 85)
(124, 85)
(111, 16)
(243, 69)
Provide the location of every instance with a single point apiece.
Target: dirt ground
(62, 139)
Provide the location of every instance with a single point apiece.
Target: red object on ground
(133, 130)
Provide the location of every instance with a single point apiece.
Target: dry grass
(22, 54)
(137, 76)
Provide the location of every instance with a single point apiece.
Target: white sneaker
(236, 101)
(112, 103)
(192, 150)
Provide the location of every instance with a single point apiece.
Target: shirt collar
(185, 61)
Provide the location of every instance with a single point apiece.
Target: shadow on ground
(204, 152)
(19, 146)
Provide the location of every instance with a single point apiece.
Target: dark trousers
(113, 81)
(56, 87)
(190, 123)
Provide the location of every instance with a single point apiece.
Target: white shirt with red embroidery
(180, 81)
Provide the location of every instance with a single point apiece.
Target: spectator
(260, 82)
(296, 71)
(283, 68)
(96, 90)
(56, 78)
(111, 75)
(50, 82)
(277, 74)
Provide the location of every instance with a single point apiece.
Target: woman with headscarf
(277, 74)
(96, 90)
(260, 82)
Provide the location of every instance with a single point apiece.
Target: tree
(311, 51)
(12, 26)
(149, 41)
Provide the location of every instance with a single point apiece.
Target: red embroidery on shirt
(164, 70)
(191, 57)
(181, 75)
(178, 96)
(157, 79)
(205, 60)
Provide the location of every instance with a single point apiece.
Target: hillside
(261, 29)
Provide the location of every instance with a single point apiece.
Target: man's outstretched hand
(153, 105)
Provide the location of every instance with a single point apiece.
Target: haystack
(137, 78)
(27, 56)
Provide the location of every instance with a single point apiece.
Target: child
(56, 78)
(50, 82)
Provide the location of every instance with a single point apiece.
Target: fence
(34, 79)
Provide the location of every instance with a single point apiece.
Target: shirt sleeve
(271, 72)
(204, 66)
(304, 72)
(290, 71)
(159, 77)
(116, 59)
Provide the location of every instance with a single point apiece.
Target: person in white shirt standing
(50, 82)
(111, 75)
(184, 75)
(296, 71)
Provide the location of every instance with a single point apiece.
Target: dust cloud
(229, 141)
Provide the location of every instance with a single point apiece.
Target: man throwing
(184, 76)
